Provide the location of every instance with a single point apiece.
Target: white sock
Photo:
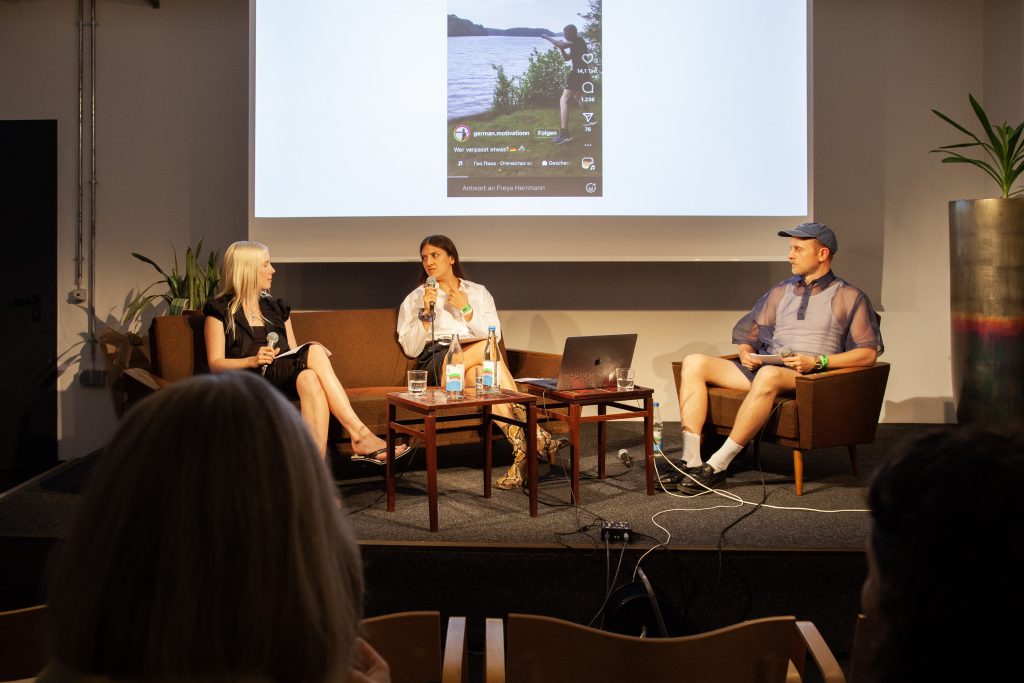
(691, 449)
(724, 455)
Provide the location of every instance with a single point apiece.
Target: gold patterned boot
(513, 479)
(548, 444)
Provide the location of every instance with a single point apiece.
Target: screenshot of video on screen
(524, 101)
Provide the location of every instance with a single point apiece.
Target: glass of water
(417, 381)
(624, 379)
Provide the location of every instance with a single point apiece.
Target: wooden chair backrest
(546, 649)
(24, 643)
(410, 642)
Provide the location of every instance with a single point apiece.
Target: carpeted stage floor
(830, 514)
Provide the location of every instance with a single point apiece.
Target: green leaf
(178, 305)
(151, 262)
(959, 159)
(962, 144)
(985, 125)
(956, 125)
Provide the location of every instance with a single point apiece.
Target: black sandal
(372, 459)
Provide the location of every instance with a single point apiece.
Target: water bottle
(454, 370)
(489, 368)
(659, 427)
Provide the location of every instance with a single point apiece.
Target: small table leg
(390, 469)
(602, 440)
(430, 431)
(574, 446)
(531, 454)
(488, 420)
(649, 444)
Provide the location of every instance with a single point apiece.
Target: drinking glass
(417, 381)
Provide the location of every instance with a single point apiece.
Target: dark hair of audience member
(947, 544)
(445, 243)
(209, 546)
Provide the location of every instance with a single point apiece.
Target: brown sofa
(365, 352)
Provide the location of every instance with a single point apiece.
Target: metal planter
(986, 253)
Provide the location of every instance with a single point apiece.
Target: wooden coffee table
(430, 408)
(567, 406)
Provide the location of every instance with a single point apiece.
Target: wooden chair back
(24, 643)
(546, 649)
(410, 642)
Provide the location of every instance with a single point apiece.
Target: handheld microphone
(272, 338)
(786, 352)
(432, 282)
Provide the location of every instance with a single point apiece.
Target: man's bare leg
(768, 383)
(699, 371)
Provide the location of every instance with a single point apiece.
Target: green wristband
(824, 362)
(466, 309)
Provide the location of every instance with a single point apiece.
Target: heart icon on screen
(588, 57)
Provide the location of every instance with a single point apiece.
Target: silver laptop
(590, 362)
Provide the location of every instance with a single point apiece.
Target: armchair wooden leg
(798, 471)
(853, 459)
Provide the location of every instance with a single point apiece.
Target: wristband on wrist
(824, 362)
(467, 309)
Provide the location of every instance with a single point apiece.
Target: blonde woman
(238, 322)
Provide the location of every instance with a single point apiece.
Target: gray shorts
(747, 371)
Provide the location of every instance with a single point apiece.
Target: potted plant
(123, 342)
(986, 252)
(185, 291)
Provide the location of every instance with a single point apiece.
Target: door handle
(34, 301)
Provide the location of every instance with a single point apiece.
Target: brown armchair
(833, 408)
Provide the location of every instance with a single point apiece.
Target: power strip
(616, 532)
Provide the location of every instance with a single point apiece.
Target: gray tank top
(818, 333)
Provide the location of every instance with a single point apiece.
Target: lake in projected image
(470, 74)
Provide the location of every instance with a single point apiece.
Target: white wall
(172, 114)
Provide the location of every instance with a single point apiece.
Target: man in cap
(814, 321)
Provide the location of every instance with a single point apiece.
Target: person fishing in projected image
(467, 309)
(240, 322)
(573, 48)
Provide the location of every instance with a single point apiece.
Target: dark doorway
(28, 283)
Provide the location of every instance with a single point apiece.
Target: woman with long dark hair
(467, 309)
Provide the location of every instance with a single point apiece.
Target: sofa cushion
(364, 347)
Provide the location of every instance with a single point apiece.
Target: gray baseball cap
(818, 231)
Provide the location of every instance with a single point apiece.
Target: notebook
(590, 362)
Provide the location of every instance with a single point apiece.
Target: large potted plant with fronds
(986, 252)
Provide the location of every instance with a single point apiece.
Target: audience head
(945, 554)
(209, 546)
(444, 243)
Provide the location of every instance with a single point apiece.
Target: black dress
(247, 340)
